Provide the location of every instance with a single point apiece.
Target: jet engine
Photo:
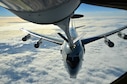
(122, 35)
(26, 37)
(38, 43)
(109, 43)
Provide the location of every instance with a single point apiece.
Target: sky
(98, 10)
(83, 9)
(5, 12)
(21, 63)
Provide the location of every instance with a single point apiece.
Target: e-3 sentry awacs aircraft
(59, 12)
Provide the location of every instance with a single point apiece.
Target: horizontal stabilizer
(80, 26)
(77, 16)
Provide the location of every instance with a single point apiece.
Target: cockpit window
(72, 61)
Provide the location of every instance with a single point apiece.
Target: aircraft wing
(47, 38)
(120, 4)
(91, 39)
(80, 26)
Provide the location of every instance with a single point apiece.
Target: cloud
(21, 63)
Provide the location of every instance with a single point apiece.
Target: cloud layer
(23, 64)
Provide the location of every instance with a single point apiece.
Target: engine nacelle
(109, 43)
(122, 35)
(26, 37)
(38, 43)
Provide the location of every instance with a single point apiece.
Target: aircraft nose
(73, 76)
(73, 62)
(73, 73)
(73, 66)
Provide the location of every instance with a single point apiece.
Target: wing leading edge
(47, 38)
(91, 39)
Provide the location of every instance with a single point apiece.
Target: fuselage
(72, 57)
(42, 11)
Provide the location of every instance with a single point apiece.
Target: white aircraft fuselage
(73, 57)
